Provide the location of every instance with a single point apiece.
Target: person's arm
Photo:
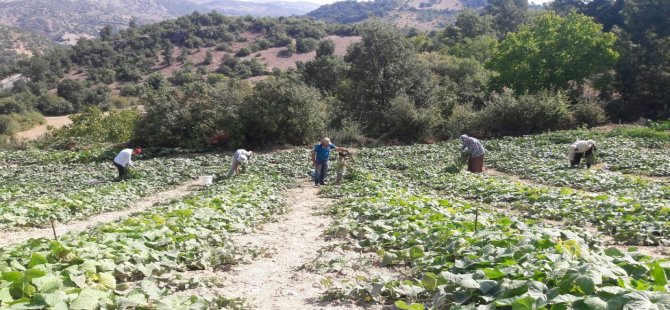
(314, 157)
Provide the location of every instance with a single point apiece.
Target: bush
(8, 126)
(243, 52)
(640, 132)
(283, 110)
(131, 90)
(349, 132)
(305, 45)
(94, 126)
(53, 105)
(326, 47)
(263, 43)
(504, 114)
(409, 123)
(660, 125)
(195, 114)
(17, 122)
(463, 118)
(589, 113)
(288, 52)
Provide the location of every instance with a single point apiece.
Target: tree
(208, 58)
(642, 73)
(382, 67)
(284, 110)
(553, 52)
(326, 47)
(468, 25)
(325, 72)
(508, 15)
(106, 33)
(168, 49)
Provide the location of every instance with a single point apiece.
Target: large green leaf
(88, 299)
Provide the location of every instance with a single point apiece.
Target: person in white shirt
(123, 160)
(240, 157)
(579, 149)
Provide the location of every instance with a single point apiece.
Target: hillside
(422, 14)
(66, 21)
(18, 44)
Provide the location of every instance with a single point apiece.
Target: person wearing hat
(476, 150)
(579, 149)
(320, 156)
(240, 158)
(123, 160)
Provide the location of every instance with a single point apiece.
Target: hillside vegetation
(499, 71)
(17, 44)
(422, 14)
(65, 21)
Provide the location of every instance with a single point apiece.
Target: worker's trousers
(321, 171)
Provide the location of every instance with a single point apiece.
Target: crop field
(530, 233)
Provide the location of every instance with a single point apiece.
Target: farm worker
(579, 149)
(123, 160)
(241, 157)
(476, 150)
(320, 156)
(341, 166)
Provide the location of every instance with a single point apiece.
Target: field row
(136, 262)
(468, 240)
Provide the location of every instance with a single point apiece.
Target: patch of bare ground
(270, 58)
(14, 237)
(280, 280)
(38, 131)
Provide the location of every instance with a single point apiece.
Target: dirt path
(14, 237)
(277, 281)
(38, 131)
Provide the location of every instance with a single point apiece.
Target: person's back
(123, 158)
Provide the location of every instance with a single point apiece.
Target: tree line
(503, 70)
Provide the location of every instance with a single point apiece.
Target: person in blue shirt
(320, 156)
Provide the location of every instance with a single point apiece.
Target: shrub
(194, 114)
(8, 126)
(283, 110)
(326, 47)
(589, 112)
(349, 132)
(504, 114)
(263, 43)
(52, 105)
(94, 126)
(223, 47)
(17, 122)
(640, 132)
(131, 90)
(463, 118)
(288, 52)
(243, 52)
(409, 123)
(305, 45)
(660, 125)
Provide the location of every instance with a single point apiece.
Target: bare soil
(277, 281)
(14, 237)
(38, 131)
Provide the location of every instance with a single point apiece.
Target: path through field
(14, 237)
(275, 281)
(38, 131)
